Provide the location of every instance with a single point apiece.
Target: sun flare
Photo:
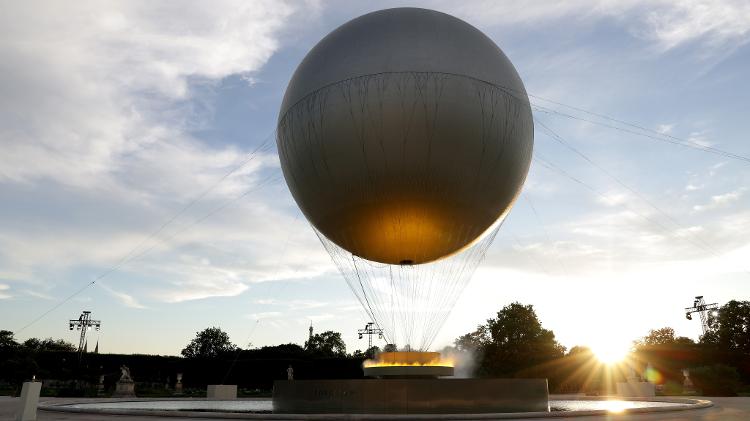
(610, 353)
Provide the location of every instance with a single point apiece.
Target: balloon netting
(410, 303)
(406, 167)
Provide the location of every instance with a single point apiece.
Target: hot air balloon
(405, 136)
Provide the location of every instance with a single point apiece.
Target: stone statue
(125, 387)
(687, 385)
(632, 376)
(178, 385)
(125, 376)
(100, 386)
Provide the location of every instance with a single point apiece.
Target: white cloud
(700, 138)
(666, 23)
(615, 199)
(93, 106)
(264, 315)
(295, 304)
(126, 299)
(720, 200)
(689, 231)
(38, 294)
(3, 295)
(718, 22)
(86, 83)
(664, 128)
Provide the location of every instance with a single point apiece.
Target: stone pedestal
(124, 389)
(221, 391)
(100, 386)
(29, 400)
(688, 387)
(178, 385)
(633, 389)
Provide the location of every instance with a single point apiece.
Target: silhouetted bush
(716, 380)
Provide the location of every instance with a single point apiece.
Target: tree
(48, 345)
(730, 328)
(716, 380)
(390, 348)
(656, 337)
(473, 341)
(328, 344)
(211, 342)
(662, 338)
(7, 343)
(580, 350)
(371, 352)
(512, 341)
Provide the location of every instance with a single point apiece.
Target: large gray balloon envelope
(405, 135)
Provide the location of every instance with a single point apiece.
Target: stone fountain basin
(261, 409)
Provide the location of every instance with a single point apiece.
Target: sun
(610, 352)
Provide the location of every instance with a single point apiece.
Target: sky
(120, 120)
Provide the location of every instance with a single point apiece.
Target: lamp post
(700, 307)
(84, 323)
(370, 330)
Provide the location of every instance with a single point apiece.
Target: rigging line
(533, 259)
(283, 253)
(519, 95)
(638, 194)
(268, 181)
(121, 263)
(239, 350)
(551, 166)
(55, 307)
(286, 246)
(249, 157)
(634, 125)
(679, 142)
(469, 264)
(546, 233)
(356, 271)
(656, 223)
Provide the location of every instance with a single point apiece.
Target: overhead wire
(683, 142)
(544, 229)
(549, 165)
(262, 147)
(662, 138)
(696, 240)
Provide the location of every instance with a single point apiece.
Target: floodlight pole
(370, 330)
(84, 323)
(700, 307)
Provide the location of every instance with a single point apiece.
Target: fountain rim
(685, 404)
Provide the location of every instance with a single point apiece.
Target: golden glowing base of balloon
(408, 364)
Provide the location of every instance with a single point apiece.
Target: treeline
(511, 344)
(210, 358)
(514, 344)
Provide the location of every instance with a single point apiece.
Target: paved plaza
(724, 409)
